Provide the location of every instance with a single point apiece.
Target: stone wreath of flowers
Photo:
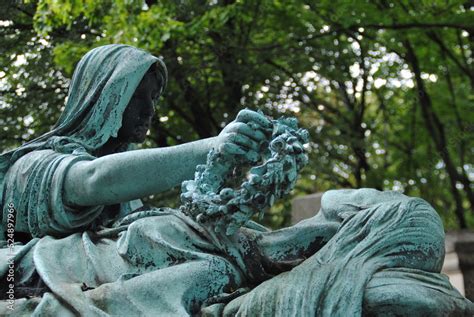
(218, 198)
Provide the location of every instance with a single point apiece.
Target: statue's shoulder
(44, 157)
(35, 157)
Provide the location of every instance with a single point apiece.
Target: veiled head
(104, 83)
(102, 87)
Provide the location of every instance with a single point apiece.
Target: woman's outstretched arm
(129, 175)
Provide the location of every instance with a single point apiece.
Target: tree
(384, 87)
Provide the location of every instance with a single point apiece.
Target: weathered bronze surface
(90, 248)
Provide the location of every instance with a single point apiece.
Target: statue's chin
(139, 136)
(137, 140)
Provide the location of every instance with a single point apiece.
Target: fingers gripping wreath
(229, 189)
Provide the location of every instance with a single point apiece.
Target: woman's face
(137, 117)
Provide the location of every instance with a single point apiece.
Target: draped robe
(365, 252)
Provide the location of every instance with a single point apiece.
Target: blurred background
(385, 88)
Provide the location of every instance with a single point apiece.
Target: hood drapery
(102, 85)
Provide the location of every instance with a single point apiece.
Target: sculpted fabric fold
(97, 98)
(387, 246)
(364, 250)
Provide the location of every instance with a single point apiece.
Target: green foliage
(342, 67)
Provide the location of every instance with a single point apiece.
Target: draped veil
(101, 87)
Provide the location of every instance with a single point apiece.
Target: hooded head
(102, 85)
(101, 88)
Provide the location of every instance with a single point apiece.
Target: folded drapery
(384, 260)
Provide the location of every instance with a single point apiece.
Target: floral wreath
(216, 200)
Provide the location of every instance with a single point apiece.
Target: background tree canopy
(384, 87)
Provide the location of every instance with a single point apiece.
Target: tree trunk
(436, 131)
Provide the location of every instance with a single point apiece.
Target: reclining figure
(77, 240)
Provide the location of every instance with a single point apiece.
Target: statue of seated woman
(89, 247)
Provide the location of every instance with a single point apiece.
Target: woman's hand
(245, 134)
(106, 180)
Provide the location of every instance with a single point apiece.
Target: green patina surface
(226, 209)
(365, 253)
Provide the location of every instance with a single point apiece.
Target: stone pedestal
(465, 251)
(305, 207)
(451, 269)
